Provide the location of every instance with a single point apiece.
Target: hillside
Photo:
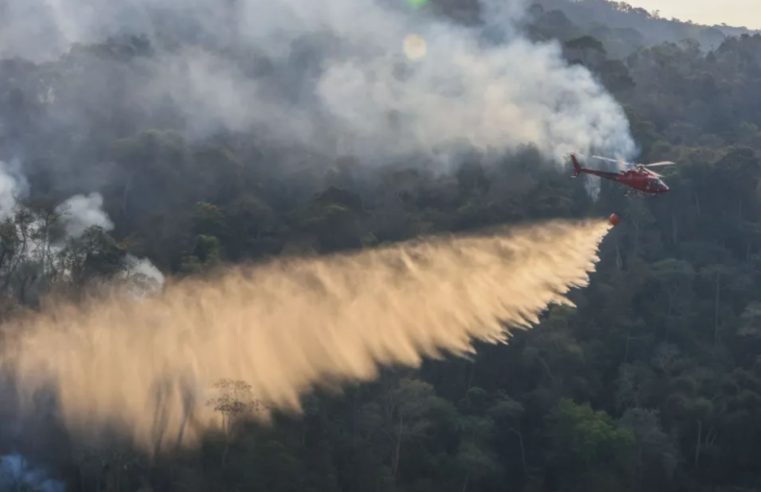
(651, 383)
(623, 28)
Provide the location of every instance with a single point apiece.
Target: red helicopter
(637, 176)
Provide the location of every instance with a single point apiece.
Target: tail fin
(576, 166)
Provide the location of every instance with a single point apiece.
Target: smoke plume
(81, 212)
(147, 366)
(377, 79)
(16, 473)
(12, 187)
(142, 276)
(77, 214)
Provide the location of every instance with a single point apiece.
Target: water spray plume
(146, 367)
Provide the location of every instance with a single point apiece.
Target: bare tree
(234, 399)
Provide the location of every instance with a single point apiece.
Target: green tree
(588, 447)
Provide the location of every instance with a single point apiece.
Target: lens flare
(415, 47)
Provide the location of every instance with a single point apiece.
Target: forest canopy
(652, 383)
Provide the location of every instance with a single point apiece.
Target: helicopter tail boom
(576, 166)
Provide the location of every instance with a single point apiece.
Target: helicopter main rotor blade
(660, 164)
(622, 164)
(606, 159)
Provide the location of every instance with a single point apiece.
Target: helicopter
(639, 177)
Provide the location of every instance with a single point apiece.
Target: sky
(745, 13)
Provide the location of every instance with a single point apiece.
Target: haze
(739, 13)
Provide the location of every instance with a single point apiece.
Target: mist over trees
(623, 28)
(652, 384)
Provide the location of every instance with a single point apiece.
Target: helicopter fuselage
(639, 178)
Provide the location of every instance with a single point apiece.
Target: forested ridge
(652, 383)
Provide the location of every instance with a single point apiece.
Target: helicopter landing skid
(635, 193)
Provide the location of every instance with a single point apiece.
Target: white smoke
(12, 187)
(82, 212)
(142, 276)
(16, 473)
(77, 214)
(337, 77)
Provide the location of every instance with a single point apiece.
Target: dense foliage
(653, 383)
(623, 28)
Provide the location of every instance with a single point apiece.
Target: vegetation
(653, 383)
